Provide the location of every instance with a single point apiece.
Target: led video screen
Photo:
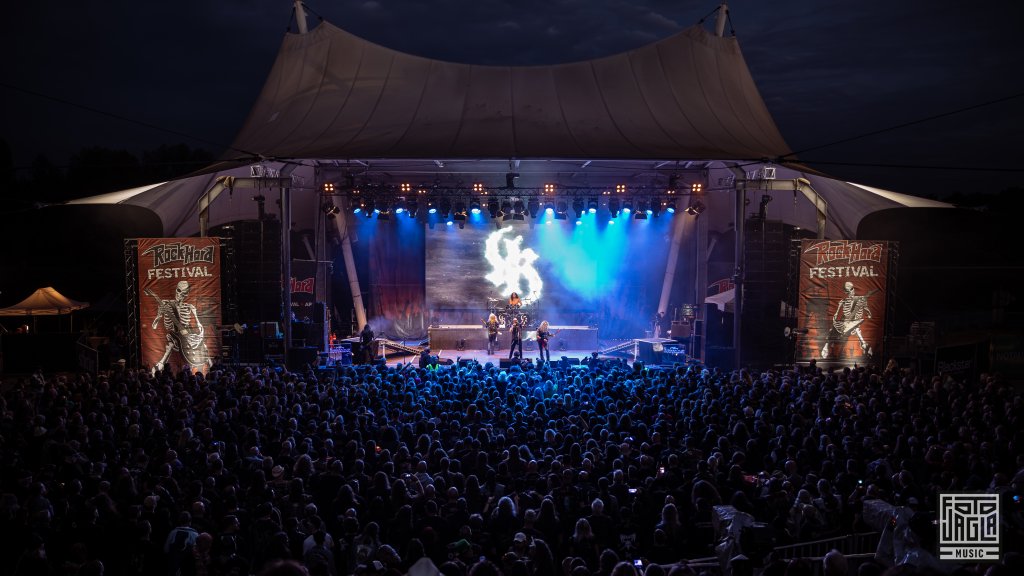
(566, 271)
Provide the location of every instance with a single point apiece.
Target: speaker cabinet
(299, 357)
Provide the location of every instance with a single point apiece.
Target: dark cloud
(827, 70)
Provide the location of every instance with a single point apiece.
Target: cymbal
(493, 299)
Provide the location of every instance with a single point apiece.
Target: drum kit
(506, 314)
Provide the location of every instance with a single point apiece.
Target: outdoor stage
(481, 356)
(648, 350)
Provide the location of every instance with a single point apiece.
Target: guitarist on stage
(847, 319)
(366, 342)
(492, 332)
(543, 335)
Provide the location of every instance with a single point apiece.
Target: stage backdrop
(179, 301)
(600, 273)
(841, 316)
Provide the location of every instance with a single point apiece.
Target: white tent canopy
(331, 94)
(44, 302)
(336, 106)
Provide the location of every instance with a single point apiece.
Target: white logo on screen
(516, 265)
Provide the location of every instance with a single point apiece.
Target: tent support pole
(723, 15)
(300, 17)
(350, 265)
(737, 278)
(286, 267)
(672, 264)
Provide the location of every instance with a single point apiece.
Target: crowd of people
(603, 469)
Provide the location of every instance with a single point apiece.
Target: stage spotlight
(695, 208)
(577, 207)
(493, 208)
(549, 208)
(474, 206)
(331, 210)
(506, 210)
(400, 206)
(533, 207)
(359, 207)
(431, 207)
(561, 209)
(613, 207)
(518, 211)
(384, 215)
(413, 207)
(579, 222)
(627, 207)
(642, 210)
(445, 208)
(670, 206)
(611, 221)
(592, 205)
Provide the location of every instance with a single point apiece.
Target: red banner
(303, 290)
(179, 302)
(841, 317)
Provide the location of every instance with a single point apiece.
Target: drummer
(514, 300)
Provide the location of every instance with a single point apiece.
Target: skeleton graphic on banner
(849, 315)
(181, 333)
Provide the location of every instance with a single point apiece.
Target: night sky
(827, 70)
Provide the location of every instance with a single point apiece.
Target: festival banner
(303, 290)
(179, 302)
(841, 319)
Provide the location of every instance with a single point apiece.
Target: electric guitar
(846, 327)
(544, 340)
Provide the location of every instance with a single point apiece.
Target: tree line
(92, 170)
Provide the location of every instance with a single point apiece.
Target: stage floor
(482, 357)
